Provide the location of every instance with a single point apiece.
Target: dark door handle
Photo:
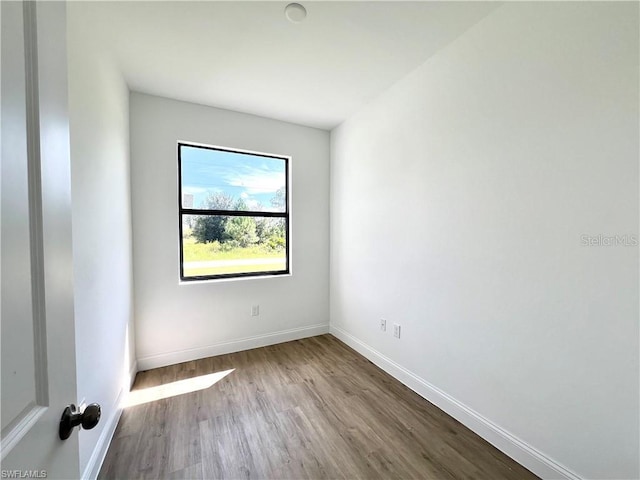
(71, 418)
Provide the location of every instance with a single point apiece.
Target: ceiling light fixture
(295, 12)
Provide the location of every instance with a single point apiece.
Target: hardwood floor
(311, 408)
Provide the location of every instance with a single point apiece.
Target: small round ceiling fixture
(295, 12)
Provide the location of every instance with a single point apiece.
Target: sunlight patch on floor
(173, 389)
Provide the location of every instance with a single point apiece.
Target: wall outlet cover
(396, 330)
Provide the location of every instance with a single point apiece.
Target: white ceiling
(246, 56)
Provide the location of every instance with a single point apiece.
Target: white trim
(235, 279)
(35, 198)
(189, 143)
(171, 358)
(520, 451)
(94, 464)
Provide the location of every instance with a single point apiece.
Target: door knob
(71, 418)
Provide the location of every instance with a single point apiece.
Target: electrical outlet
(255, 310)
(383, 325)
(396, 330)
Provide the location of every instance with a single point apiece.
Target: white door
(37, 324)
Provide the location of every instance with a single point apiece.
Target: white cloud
(253, 204)
(257, 181)
(189, 189)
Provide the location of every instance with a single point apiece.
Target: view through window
(234, 215)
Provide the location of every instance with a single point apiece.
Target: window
(234, 213)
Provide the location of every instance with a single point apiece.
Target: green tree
(262, 229)
(242, 231)
(273, 233)
(240, 204)
(211, 228)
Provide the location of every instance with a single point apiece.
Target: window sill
(233, 279)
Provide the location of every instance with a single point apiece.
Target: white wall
(458, 201)
(178, 322)
(99, 129)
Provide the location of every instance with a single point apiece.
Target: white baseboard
(171, 358)
(100, 451)
(520, 451)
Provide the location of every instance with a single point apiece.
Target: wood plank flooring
(308, 409)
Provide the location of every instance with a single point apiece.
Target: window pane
(227, 245)
(223, 180)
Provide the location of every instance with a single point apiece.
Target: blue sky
(251, 177)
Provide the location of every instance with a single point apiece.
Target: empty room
(320, 240)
